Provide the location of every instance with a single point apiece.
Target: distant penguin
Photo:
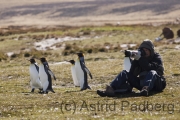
(34, 76)
(45, 76)
(73, 72)
(82, 71)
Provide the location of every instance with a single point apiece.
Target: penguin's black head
(32, 60)
(43, 59)
(72, 62)
(80, 54)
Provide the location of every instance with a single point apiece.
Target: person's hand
(137, 56)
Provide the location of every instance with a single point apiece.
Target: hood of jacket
(149, 45)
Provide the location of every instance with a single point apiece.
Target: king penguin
(45, 76)
(127, 63)
(73, 72)
(82, 71)
(34, 75)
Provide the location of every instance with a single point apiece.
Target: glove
(138, 55)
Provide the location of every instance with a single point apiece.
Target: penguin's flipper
(51, 73)
(86, 69)
(37, 67)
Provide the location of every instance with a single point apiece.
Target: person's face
(147, 51)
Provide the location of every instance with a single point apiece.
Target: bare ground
(87, 12)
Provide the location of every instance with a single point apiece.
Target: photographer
(146, 73)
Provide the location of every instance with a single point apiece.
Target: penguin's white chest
(79, 73)
(34, 76)
(74, 76)
(42, 73)
(43, 77)
(33, 72)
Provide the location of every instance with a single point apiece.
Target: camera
(133, 53)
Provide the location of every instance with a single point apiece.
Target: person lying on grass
(145, 74)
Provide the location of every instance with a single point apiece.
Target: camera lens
(127, 53)
(143, 53)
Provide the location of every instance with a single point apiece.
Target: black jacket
(145, 64)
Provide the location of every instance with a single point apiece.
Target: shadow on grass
(27, 93)
(70, 91)
(133, 94)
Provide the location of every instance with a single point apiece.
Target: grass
(16, 101)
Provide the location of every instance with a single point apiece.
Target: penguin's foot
(84, 88)
(89, 87)
(40, 90)
(43, 92)
(51, 90)
(32, 90)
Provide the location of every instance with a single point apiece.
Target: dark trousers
(124, 77)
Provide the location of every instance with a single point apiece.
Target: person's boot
(101, 93)
(144, 91)
(109, 92)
